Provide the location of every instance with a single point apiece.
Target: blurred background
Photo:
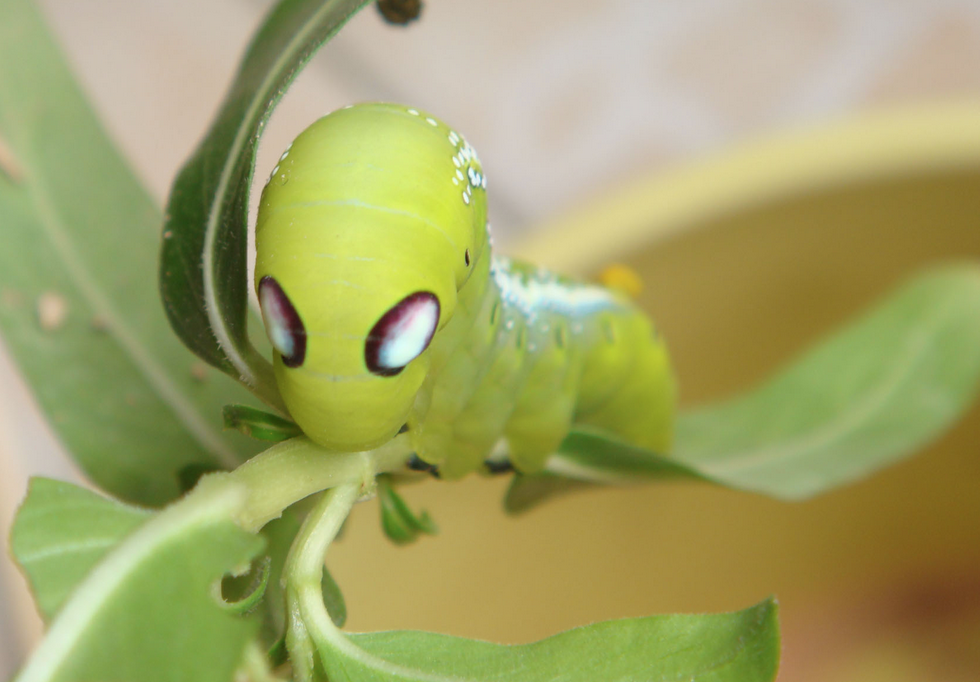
(565, 102)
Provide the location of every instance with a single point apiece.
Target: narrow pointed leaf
(259, 424)
(876, 391)
(77, 309)
(333, 599)
(527, 491)
(203, 278)
(398, 521)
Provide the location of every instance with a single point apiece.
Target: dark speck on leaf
(400, 12)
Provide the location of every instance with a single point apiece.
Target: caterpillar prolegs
(386, 308)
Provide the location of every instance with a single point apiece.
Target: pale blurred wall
(561, 99)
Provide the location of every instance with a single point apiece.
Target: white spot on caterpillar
(455, 181)
(459, 174)
(466, 197)
(276, 321)
(453, 138)
(432, 122)
(410, 335)
(532, 293)
(456, 162)
(284, 155)
(509, 324)
(413, 112)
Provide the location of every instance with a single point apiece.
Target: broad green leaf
(150, 609)
(876, 391)
(259, 424)
(733, 647)
(203, 276)
(80, 236)
(61, 532)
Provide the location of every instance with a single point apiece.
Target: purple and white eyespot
(402, 334)
(282, 323)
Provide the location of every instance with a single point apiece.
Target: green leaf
(398, 521)
(80, 235)
(333, 599)
(150, 609)
(203, 276)
(733, 647)
(873, 393)
(259, 424)
(527, 491)
(61, 532)
(587, 459)
(876, 391)
(243, 593)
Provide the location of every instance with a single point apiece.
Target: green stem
(298, 468)
(304, 571)
(302, 575)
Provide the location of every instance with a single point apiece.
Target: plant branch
(304, 571)
(298, 468)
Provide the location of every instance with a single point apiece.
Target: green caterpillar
(387, 310)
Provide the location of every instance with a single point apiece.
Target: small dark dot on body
(399, 12)
(416, 463)
(499, 466)
(466, 257)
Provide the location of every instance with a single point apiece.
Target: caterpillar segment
(386, 307)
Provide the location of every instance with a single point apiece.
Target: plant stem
(297, 468)
(304, 571)
(302, 575)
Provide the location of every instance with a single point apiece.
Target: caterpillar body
(386, 308)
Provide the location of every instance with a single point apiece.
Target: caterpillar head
(372, 222)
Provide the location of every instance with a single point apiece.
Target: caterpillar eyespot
(283, 324)
(401, 334)
(386, 308)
